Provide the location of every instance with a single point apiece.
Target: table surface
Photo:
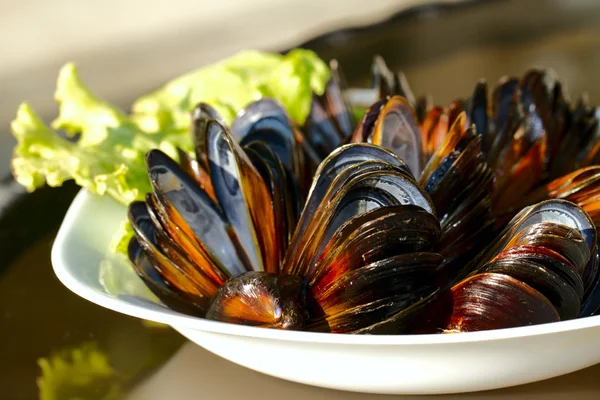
(156, 48)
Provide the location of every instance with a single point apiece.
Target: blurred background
(125, 48)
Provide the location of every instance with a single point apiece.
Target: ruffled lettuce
(108, 157)
(231, 84)
(79, 373)
(107, 152)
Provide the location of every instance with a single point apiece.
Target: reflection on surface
(40, 317)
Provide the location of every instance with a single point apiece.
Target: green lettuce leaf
(233, 83)
(108, 158)
(77, 374)
(108, 155)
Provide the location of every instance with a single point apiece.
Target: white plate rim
(58, 259)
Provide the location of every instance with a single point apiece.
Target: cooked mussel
(418, 219)
(366, 222)
(260, 299)
(547, 249)
(330, 121)
(496, 301)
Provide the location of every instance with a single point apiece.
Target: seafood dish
(416, 218)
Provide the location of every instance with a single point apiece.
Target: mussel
(416, 219)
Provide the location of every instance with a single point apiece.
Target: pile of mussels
(419, 219)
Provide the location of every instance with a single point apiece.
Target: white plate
(410, 364)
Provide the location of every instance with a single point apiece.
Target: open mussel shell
(578, 147)
(159, 286)
(388, 185)
(434, 129)
(330, 121)
(201, 114)
(550, 284)
(388, 83)
(337, 105)
(460, 184)
(346, 161)
(260, 299)
(391, 123)
(581, 187)
(192, 212)
(196, 171)
(564, 240)
(549, 260)
(456, 132)
(371, 236)
(591, 272)
(193, 289)
(478, 112)
(558, 212)
(244, 199)
(266, 121)
(505, 108)
(285, 194)
(320, 129)
(495, 301)
(374, 292)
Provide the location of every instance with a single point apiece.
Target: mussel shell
(267, 121)
(434, 129)
(373, 293)
(372, 236)
(155, 240)
(591, 273)
(460, 166)
(193, 168)
(518, 172)
(581, 187)
(274, 181)
(582, 129)
(560, 293)
(391, 123)
(414, 319)
(291, 189)
(367, 122)
(175, 239)
(196, 212)
(558, 212)
(161, 288)
(201, 114)
(260, 299)
(176, 276)
(389, 179)
(337, 106)
(549, 259)
(244, 199)
(560, 238)
(456, 132)
(334, 171)
(357, 201)
(504, 112)
(478, 112)
(397, 130)
(496, 301)
(591, 303)
(382, 78)
(320, 130)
